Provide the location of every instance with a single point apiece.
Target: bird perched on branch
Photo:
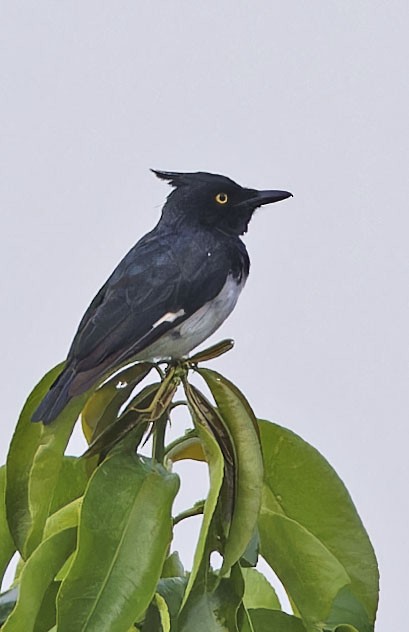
(172, 290)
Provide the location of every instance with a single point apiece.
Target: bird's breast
(180, 340)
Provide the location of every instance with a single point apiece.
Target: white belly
(178, 342)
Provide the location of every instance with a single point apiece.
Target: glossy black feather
(164, 272)
(179, 267)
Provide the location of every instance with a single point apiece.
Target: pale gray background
(308, 96)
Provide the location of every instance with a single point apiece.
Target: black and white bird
(172, 290)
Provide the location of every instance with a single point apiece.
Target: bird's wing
(153, 289)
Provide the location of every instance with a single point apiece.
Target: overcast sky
(306, 96)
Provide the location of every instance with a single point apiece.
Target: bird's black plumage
(172, 289)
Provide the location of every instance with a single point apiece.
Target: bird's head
(213, 200)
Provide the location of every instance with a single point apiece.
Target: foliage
(94, 533)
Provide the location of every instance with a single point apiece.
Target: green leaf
(33, 465)
(189, 448)
(65, 518)
(7, 546)
(173, 567)
(19, 569)
(258, 592)
(215, 461)
(130, 425)
(162, 607)
(47, 614)
(214, 423)
(242, 425)
(124, 534)
(8, 600)
(71, 483)
(103, 406)
(24, 444)
(300, 484)
(171, 590)
(65, 568)
(151, 621)
(244, 621)
(310, 573)
(37, 575)
(213, 611)
(212, 352)
(250, 555)
(346, 608)
(274, 621)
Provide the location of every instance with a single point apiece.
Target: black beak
(268, 197)
(259, 198)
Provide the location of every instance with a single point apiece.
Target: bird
(172, 290)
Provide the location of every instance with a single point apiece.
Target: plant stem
(158, 443)
(196, 510)
(179, 402)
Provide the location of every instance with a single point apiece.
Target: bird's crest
(177, 179)
(173, 177)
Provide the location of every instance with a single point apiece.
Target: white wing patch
(187, 335)
(169, 317)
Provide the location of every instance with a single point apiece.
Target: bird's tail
(56, 399)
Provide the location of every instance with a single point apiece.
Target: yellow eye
(222, 198)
